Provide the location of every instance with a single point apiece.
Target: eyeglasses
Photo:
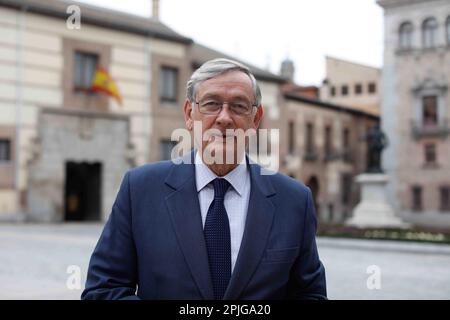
(213, 107)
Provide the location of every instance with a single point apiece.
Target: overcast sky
(264, 32)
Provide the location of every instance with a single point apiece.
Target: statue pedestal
(374, 209)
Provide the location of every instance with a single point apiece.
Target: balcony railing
(347, 155)
(421, 130)
(331, 155)
(344, 155)
(311, 155)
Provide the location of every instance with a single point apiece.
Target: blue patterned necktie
(217, 238)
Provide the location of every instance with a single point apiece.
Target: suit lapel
(257, 229)
(184, 210)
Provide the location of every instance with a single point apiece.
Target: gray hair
(216, 67)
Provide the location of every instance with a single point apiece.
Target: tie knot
(220, 187)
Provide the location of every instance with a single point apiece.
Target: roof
(319, 103)
(117, 20)
(201, 54)
(397, 3)
(101, 17)
(353, 63)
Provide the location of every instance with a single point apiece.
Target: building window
(85, 66)
(5, 150)
(445, 198)
(406, 35)
(262, 142)
(429, 31)
(430, 153)
(328, 142)
(165, 148)
(447, 28)
(416, 198)
(346, 188)
(330, 212)
(347, 156)
(333, 91)
(291, 137)
(372, 88)
(168, 84)
(344, 90)
(430, 116)
(358, 88)
(346, 138)
(310, 138)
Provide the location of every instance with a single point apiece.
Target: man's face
(231, 86)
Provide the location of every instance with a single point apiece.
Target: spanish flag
(104, 83)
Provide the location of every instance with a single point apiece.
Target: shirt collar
(236, 177)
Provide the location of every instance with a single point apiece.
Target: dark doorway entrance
(82, 191)
(313, 184)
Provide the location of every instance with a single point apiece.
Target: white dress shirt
(235, 201)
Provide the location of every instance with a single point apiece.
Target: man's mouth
(221, 137)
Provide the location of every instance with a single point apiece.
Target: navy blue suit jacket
(152, 246)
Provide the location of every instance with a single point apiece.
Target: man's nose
(224, 117)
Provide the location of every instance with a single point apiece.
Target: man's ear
(187, 108)
(258, 116)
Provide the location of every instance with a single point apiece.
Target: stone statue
(376, 142)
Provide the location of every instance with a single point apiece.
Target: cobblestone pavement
(34, 261)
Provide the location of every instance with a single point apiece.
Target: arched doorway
(313, 184)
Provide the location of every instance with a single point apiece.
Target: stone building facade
(57, 162)
(53, 130)
(416, 108)
(64, 150)
(323, 146)
(352, 84)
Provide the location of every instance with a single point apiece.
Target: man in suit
(207, 229)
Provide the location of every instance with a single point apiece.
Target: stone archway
(75, 136)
